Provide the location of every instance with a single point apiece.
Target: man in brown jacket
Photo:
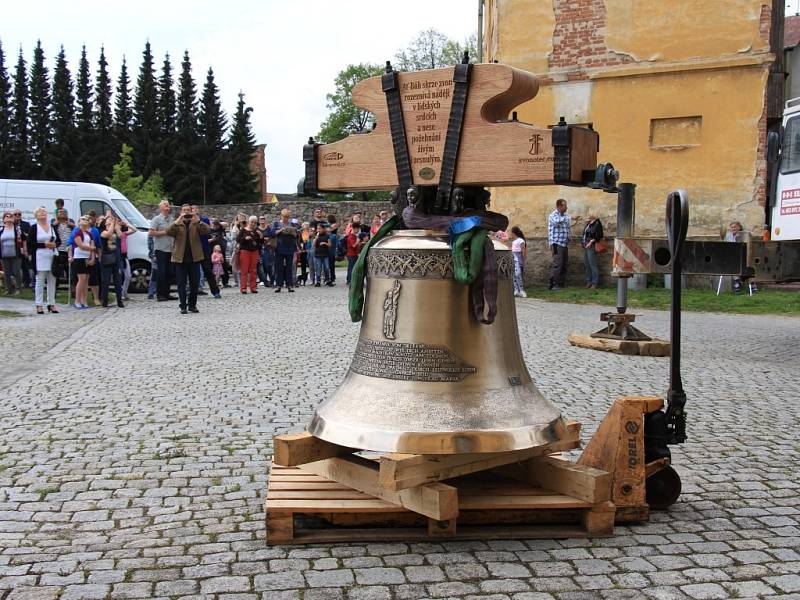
(187, 254)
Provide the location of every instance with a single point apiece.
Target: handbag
(600, 246)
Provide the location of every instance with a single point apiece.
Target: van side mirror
(773, 146)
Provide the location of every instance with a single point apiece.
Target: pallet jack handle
(677, 225)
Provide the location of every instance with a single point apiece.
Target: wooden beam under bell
(403, 471)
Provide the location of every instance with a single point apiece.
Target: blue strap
(460, 226)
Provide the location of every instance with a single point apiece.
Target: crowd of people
(193, 250)
(92, 251)
(250, 252)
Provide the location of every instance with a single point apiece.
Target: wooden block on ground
(654, 347)
(599, 521)
(294, 449)
(280, 527)
(564, 477)
(403, 471)
(435, 500)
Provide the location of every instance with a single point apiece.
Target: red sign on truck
(790, 202)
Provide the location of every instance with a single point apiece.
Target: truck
(80, 198)
(783, 151)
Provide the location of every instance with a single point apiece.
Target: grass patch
(766, 302)
(27, 294)
(10, 314)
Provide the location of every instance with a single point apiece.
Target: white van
(80, 198)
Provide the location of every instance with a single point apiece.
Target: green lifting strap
(355, 302)
(466, 270)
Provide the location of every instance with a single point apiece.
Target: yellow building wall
(682, 109)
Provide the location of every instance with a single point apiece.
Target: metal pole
(480, 31)
(626, 206)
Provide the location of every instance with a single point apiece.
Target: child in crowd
(217, 262)
(322, 245)
(519, 250)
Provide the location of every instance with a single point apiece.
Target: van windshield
(130, 212)
(790, 151)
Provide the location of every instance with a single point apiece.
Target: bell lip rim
(418, 233)
(370, 440)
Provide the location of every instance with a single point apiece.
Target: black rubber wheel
(663, 488)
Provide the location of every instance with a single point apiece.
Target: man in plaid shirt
(558, 236)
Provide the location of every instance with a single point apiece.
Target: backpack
(341, 248)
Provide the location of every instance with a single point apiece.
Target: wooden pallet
(340, 495)
(302, 507)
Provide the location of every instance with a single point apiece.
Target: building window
(675, 133)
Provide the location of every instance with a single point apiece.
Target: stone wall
(301, 209)
(540, 259)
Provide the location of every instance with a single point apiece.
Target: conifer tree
(184, 179)
(144, 134)
(20, 150)
(60, 156)
(241, 182)
(123, 115)
(212, 159)
(105, 146)
(39, 112)
(84, 121)
(5, 117)
(166, 117)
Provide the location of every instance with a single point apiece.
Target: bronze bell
(426, 376)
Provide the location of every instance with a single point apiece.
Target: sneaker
(277, 290)
(184, 311)
(78, 306)
(217, 295)
(202, 293)
(151, 297)
(193, 309)
(291, 289)
(523, 294)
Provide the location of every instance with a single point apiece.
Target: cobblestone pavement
(135, 444)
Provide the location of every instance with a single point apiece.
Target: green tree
(39, 112)
(144, 134)
(5, 117)
(210, 155)
(123, 114)
(105, 144)
(345, 118)
(432, 49)
(20, 150)
(165, 118)
(241, 183)
(61, 154)
(184, 179)
(84, 122)
(134, 187)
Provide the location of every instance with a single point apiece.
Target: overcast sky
(282, 55)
